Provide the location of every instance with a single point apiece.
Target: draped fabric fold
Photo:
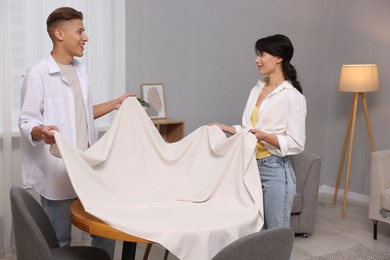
(193, 197)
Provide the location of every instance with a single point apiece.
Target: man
(55, 96)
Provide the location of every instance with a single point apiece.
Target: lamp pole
(350, 135)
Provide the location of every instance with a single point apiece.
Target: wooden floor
(331, 233)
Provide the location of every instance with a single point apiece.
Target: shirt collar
(53, 66)
(285, 85)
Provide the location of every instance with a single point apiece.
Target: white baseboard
(351, 195)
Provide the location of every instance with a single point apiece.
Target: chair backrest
(34, 234)
(270, 244)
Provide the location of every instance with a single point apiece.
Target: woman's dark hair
(280, 45)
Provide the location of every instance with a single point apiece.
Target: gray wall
(361, 34)
(203, 52)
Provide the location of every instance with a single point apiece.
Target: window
(104, 55)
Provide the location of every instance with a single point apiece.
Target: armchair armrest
(304, 165)
(380, 180)
(307, 168)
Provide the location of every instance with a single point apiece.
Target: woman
(275, 112)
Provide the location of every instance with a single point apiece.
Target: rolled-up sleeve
(292, 140)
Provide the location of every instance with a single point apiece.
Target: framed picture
(154, 94)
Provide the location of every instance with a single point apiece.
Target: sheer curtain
(5, 128)
(23, 42)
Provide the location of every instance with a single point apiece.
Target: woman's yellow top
(261, 151)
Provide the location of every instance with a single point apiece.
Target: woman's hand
(220, 125)
(266, 137)
(225, 128)
(260, 135)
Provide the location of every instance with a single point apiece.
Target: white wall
(203, 52)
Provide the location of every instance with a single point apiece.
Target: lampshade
(359, 78)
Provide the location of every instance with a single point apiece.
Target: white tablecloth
(193, 197)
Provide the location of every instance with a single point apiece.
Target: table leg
(166, 254)
(128, 250)
(147, 251)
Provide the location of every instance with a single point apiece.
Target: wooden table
(172, 130)
(90, 224)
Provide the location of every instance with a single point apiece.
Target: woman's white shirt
(282, 113)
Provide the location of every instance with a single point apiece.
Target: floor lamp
(358, 79)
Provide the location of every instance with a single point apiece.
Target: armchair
(34, 234)
(307, 168)
(379, 204)
(269, 244)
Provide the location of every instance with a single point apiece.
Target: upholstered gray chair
(270, 244)
(379, 205)
(307, 168)
(35, 237)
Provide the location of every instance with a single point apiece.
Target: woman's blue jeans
(279, 188)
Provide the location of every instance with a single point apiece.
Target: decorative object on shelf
(153, 93)
(143, 103)
(359, 79)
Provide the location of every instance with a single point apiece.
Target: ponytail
(291, 74)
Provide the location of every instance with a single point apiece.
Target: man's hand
(119, 100)
(44, 133)
(106, 107)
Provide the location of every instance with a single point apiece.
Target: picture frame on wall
(153, 93)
